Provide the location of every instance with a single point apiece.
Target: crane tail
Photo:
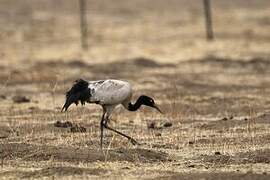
(69, 101)
(78, 92)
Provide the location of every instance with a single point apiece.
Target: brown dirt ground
(215, 94)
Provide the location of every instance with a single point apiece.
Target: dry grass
(214, 94)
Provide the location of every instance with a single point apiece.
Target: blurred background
(167, 31)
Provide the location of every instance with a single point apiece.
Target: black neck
(136, 106)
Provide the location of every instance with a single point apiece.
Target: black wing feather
(78, 92)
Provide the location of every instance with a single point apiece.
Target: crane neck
(136, 105)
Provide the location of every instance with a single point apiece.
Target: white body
(110, 92)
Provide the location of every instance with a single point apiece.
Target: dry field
(215, 95)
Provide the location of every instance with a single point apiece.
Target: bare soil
(215, 95)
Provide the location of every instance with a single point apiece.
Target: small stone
(217, 153)
(20, 99)
(3, 136)
(167, 124)
(65, 124)
(32, 108)
(191, 166)
(224, 119)
(151, 125)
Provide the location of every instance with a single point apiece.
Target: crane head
(148, 101)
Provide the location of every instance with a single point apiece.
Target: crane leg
(133, 141)
(101, 130)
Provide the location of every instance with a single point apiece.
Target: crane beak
(157, 108)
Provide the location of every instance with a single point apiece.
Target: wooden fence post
(83, 24)
(208, 20)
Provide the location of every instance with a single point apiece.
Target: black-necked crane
(107, 93)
